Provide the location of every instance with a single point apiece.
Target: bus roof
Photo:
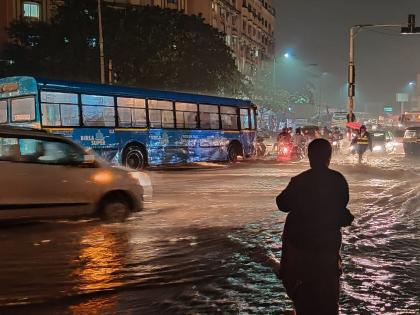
(114, 90)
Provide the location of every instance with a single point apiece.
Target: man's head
(319, 153)
(362, 129)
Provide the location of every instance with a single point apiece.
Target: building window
(32, 10)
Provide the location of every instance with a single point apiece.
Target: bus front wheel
(134, 157)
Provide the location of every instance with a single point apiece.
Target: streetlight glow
(286, 55)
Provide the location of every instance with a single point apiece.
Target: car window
(42, 151)
(9, 149)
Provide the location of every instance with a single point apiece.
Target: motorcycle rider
(362, 142)
(260, 147)
(335, 137)
(299, 141)
(284, 137)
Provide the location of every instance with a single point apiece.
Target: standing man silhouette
(316, 203)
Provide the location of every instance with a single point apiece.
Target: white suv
(49, 176)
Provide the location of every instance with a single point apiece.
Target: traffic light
(411, 26)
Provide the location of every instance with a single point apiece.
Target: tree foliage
(149, 46)
(268, 92)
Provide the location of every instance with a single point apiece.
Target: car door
(44, 178)
(69, 187)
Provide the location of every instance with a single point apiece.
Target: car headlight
(378, 148)
(334, 142)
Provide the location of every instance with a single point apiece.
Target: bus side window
(244, 114)
(253, 118)
(131, 112)
(161, 114)
(209, 117)
(98, 110)
(59, 109)
(186, 115)
(229, 117)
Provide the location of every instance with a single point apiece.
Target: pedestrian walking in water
(316, 203)
(362, 141)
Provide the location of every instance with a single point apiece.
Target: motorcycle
(289, 152)
(335, 144)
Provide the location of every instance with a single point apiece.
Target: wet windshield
(3, 112)
(23, 109)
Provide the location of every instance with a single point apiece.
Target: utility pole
(354, 30)
(110, 72)
(101, 44)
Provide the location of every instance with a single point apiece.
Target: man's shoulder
(310, 172)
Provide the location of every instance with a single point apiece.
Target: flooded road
(192, 251)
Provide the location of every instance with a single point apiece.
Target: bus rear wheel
(233, 152)
(134, 157)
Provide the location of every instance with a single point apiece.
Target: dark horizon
(385, 60)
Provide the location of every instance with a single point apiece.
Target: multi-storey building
(14, 9)
(248, 25)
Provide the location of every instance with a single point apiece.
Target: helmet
(362, 127)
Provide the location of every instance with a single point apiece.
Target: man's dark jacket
(316, 201)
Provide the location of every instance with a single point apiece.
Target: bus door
(248, 134)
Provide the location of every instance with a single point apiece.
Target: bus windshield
(22, 109)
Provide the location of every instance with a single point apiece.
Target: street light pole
(101, 44)
(354, 30)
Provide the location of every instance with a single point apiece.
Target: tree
(267, 94)
(149, 46)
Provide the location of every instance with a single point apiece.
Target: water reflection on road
(193, 249)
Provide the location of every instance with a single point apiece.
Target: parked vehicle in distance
(382, 141)
(339, 119)
(49, 176)
(410, 119)
(411, 141)
(310, 132)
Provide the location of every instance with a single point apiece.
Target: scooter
(261, 148)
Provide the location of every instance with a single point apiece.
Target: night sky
(316, 31)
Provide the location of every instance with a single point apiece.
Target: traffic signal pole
(354, 30)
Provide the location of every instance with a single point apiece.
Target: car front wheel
(114, 210)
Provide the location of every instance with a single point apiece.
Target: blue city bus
(130, 126)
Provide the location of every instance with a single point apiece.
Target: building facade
(248, 25)
(10, 10)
